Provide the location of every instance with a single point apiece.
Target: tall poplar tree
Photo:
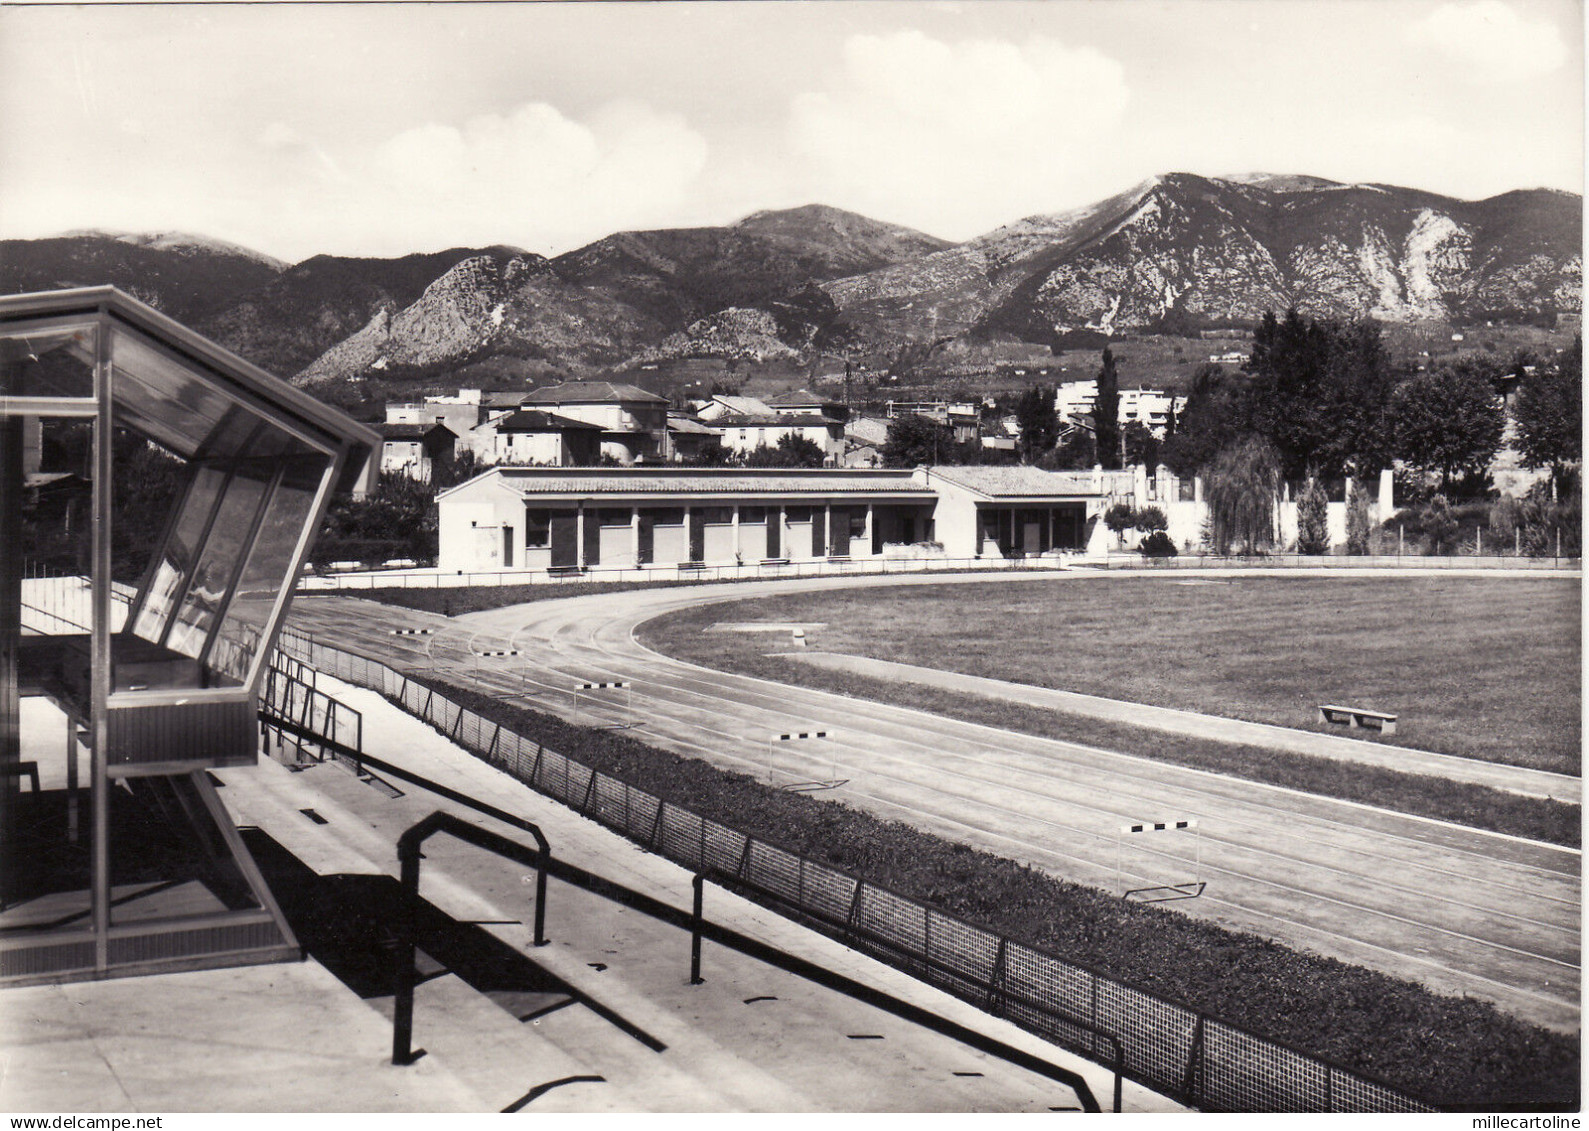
(1106, 412)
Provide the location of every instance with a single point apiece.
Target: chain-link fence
(1168, 1047)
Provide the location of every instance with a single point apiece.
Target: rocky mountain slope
(1177, 252)
(1188, 251)
(187, 277)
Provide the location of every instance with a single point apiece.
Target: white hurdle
(778, 737)
(588, 686)
(1183, 889)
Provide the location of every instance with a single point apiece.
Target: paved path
(1462, 910)
(1512, 779)
(751, 1038)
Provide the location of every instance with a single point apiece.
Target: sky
(384, 129)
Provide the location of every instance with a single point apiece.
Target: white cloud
(537, 177)
(1491, 41)
(974, 132)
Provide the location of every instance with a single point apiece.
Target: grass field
(1482, 667)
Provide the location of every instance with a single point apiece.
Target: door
(647, 540)
(507, 547)
(697, 535)
(819, 532)
(839, 532)
(564, 537)
(775, 532)
(592, 537)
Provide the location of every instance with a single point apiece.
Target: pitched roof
(411, 431)
(533, 420)
(616, 482)
(591, 392)
(678, 422)
(744, 406)
(798, 398)
(1000, 482)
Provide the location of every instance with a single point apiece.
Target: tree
(1242, 484)
(1313, 528)
(1320, 392)
(1034, 412)
(1140, 444)
(1357, 523)
(712, 453)
(1152, 520)
(1214, 418)
(1439, 524)
(1106, 412)
(1074, 453)
(914, 441)
(1448, 420)
(791, 451)
(1549, 413)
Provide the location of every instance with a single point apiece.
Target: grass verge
(1452, 1051)
(1463, 803)
(1483, 667)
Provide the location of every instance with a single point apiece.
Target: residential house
(530, 436)
(633, 422)
(414, 449)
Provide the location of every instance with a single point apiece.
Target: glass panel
(615, 516)
(51, 361)
(269, 559)
(667, 516)
(223, 549)
(161, 397)
(752, 516)
(716, 516)
(179, 553)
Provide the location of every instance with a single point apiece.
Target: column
(738, 557)
(873, 546)
(579, 533)
(1387, 495)
(634, 534)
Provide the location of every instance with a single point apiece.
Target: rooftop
(410, 431)
(1016, 482)
(533, 420)
(591, 392)
(617, 481)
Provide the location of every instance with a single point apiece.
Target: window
(857, 522)
(614, 516)
(797, 514)
(537, 529)
(666, 516)
(752, 516)
(717, 516)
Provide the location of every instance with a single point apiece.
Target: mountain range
(1175, 254)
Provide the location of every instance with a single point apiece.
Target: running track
(1461, 910)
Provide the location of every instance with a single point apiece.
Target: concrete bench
(564, 570)
(1358, 717)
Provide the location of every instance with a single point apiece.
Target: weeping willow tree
(1242, 485)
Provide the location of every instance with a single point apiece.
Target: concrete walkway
(533, 1026)
(1511, 779)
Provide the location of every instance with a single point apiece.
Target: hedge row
(1450, 1051)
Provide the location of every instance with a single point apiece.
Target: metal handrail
(409, 855)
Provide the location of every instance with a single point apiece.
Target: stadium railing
(1191, 1056)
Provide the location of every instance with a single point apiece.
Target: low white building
(581, 518)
